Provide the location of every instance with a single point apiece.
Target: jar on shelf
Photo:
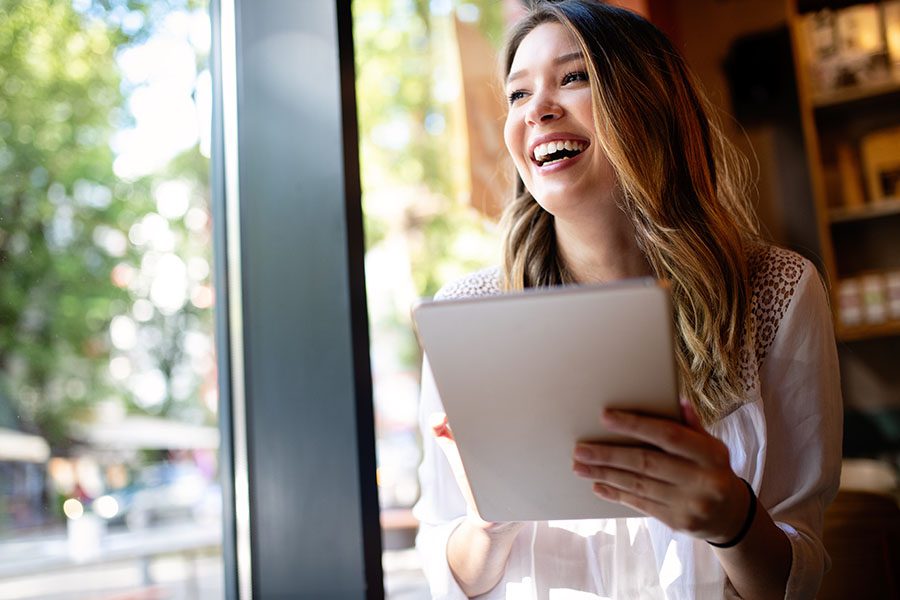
(874, 293)
(849, 302)
(893, 294)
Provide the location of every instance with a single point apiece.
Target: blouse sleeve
(800, 385)
(441, 506)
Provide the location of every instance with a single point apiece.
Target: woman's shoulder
(776, 274)
(485, 282)
(775, 266)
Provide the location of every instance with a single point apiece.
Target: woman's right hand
(443, 435)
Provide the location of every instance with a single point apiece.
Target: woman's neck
(600, 250)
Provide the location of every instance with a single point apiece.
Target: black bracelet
(751, 513)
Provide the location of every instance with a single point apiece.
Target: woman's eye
(516, 95)
(574, 76)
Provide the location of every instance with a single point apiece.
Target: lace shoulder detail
(485, 282)
(774, 275)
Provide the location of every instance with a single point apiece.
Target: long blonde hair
(684, 188)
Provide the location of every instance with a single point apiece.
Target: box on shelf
(852, 195)
(880, 151)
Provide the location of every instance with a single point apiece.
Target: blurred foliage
(413, 156)
(60, 88)
(490, 19)
(167, 339)
(408, 101)
(61, 99)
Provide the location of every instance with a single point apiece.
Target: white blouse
(785, 439)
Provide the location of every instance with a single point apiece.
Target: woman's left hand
(685, 480)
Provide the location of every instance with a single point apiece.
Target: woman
(623, 173)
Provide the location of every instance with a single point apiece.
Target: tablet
(524, 376)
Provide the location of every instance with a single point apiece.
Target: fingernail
(582, 453)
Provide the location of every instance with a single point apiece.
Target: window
(433, 177)
(108, 394)
(110, 452)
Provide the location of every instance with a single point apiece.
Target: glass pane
(108, 400)
(433, 173)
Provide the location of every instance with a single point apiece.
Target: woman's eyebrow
(556, 61)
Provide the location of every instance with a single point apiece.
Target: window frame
(301, 516)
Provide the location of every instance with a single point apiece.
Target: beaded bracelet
(751, 514)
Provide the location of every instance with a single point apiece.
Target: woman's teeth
(552, 152)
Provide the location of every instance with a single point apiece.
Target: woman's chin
(564, 204)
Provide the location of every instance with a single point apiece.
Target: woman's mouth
(557, 151)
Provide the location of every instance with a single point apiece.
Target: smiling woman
(623, 172)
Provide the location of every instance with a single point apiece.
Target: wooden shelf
(805, 6)
(855, 93)
(864, 332)
(867, 211)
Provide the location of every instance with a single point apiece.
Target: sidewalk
(168, 563)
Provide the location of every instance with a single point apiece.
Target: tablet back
(525, 376)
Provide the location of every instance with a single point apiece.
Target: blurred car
(163, 493)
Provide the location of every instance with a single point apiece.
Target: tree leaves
(61, 101)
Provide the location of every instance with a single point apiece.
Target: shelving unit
(868, 211)
(854, 93)
(859, 235)
(865, 332)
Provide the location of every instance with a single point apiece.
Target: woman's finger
(657, 491)
(637, 459)
(668, 514)
(645, 506)
(440, 426)
(674, 438)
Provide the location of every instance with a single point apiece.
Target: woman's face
(549, 129)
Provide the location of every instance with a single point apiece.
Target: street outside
(172, 562)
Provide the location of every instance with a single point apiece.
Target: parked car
(165, 493)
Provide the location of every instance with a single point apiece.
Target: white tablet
(525, 376)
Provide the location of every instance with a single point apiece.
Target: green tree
(64, 215)
(60, 87)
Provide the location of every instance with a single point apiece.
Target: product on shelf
(893, 294)
(874, 294)
(881, 159)
(851, 180)
(849, 47)
(849, 303)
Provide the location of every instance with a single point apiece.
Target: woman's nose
(543, 109)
